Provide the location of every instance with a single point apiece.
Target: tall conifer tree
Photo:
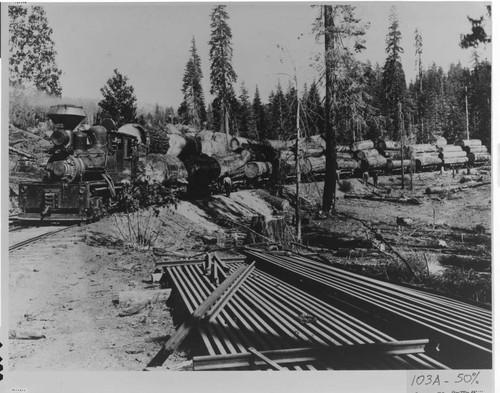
(192, 109)
(222, 75)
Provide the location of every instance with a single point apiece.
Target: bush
(139, 229)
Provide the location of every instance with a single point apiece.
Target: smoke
(29, 106)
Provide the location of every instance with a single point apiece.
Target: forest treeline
(369, 100)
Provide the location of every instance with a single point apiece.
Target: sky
(149, 43)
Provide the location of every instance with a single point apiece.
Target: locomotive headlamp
(59, 138)
(82, 190)
(59, 168)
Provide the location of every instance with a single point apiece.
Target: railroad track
(34, 239)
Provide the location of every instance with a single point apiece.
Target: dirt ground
(66, 287)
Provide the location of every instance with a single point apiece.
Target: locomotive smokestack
(60, 138)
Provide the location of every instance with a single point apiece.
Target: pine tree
(192, 109)
(343, 36)
(119, 99)
(290, 122)
(246, 115)
(314, 111)
(260, 115)
(32, 54)
(277, 114)
(222, 75)
(393, 77)
(477, 35)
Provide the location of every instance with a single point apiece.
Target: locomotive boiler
(86, 170)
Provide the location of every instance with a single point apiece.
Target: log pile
(476, 152)
(257, 169)
(452, 155)
(425, 155)
(368, 156)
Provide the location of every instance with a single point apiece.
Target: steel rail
(37, 238)
(360, 279)
(265, 305)
(356, 288)
(181, 262)
(253, 315)
(312, 300)
(201, 286)
(399, 309)
(394, 309)
(208, 309)
(307, 355)
(450, 313)
(343, 322)
(438, 299)
(214, 335)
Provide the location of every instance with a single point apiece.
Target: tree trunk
(330, 167)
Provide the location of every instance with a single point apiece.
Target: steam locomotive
(89, 168)
(86, 170)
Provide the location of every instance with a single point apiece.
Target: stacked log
(396, 164)
(237, 142)
(234, 164)
(362, 145)
(289, 169)
(313, 142)
(476, 152)
(362, 154)
(214, 148)
(280, 145)
(452, 155)
(440, 142)
(478, 157)
(317, 164)
(374, 162)
(476, 149)
(425, 155)
(468, 142)
(202, 169)
(182, 146)
(218, 137)
(256, 169)
(345, 161)
(161, 168)
(382, 144)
